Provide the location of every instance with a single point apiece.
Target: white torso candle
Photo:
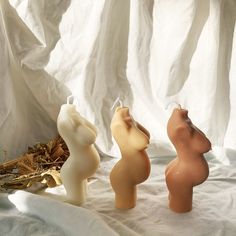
(79, 135)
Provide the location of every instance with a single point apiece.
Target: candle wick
(72, 100)
(173, 102)
(68, 100)
(118, 100)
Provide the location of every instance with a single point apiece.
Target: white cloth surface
(14, 222)
(65, 218)
(147, 52)
(213, 214)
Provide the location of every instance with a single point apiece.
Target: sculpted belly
(120, 175)
(188, 174)
(141, 170)
(200, 172)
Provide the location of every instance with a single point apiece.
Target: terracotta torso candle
(79, 135)
(134, 166)
(190, 167)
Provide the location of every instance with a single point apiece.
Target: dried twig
(41, 163)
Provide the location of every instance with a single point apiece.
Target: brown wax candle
(189, 168)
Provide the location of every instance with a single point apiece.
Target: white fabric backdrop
(147, 52)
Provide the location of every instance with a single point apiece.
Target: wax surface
(134, 166)
(189, 168)
(79, 135)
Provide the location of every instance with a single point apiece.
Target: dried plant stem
(41, 163)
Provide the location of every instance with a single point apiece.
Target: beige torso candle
(134, 166)
(79, 135)
(190, 167)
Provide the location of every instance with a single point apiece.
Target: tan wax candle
(79, 135)
(189, 168)
(134, 166)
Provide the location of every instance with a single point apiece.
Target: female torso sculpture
(190, 167)
(79, 135)
(134, 166)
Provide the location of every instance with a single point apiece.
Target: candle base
(181, 203)
(78, 194)
(126, 200)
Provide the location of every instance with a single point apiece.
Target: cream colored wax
(189, 168)
(134, 166)
(79, 135)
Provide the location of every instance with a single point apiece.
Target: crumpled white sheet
(213, 214)
(148, 52)
(65, 218)
(30, 97)
(14, 222)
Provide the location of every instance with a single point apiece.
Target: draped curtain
(147, 52)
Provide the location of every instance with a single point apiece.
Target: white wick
(72, 99)
(173, 102)
(118, 100)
